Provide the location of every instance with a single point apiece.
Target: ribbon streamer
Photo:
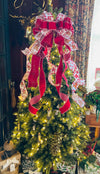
(42, 85)
(23, 88)
(73, 67)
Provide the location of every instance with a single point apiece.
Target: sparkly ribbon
(23, 88)
(73, 67)
(46, 30)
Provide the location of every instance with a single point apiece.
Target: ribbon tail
(67, 104)
(63, 96)
(33, 101)
(42, 82)
(34, 73)
(52, 71)
(78, 100)
(42, 87)
(23, 89)
(59, 75)
(63, 75)
(24, 92)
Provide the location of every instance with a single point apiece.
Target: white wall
(94, 55)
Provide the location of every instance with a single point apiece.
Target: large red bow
(46, 31)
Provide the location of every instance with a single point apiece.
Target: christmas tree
(49, 124)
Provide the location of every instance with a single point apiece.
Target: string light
(45, 121)
(36, 116)
(71, 108)
(53, 57)
(37, 162)
(43, 128)
(26, 133)
(14, 135)
(56, 51)
(24, 122)
(70, 112)
(41, 141)
(50, 2)
(47, 103)
(38, 144)
(25, 104)
(31, 154)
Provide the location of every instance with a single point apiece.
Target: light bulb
(49, 2)
(43, 128)
(41, 141)
(31, 154)
(45, 120)
(26, 133)
(14, 135)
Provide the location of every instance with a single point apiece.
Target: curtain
(81, 12)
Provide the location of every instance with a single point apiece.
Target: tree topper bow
(46, 31)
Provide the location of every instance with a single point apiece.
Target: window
(94, 54)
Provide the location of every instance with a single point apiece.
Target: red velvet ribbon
(42, 87)
(34, 73)
(63, 96)
(53, 25)
(37, 60)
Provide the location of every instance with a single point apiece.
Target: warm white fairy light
(49, 2)
(43, 128)
(26, 133)
(41, 141)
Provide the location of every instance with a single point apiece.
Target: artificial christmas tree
(50, 126)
